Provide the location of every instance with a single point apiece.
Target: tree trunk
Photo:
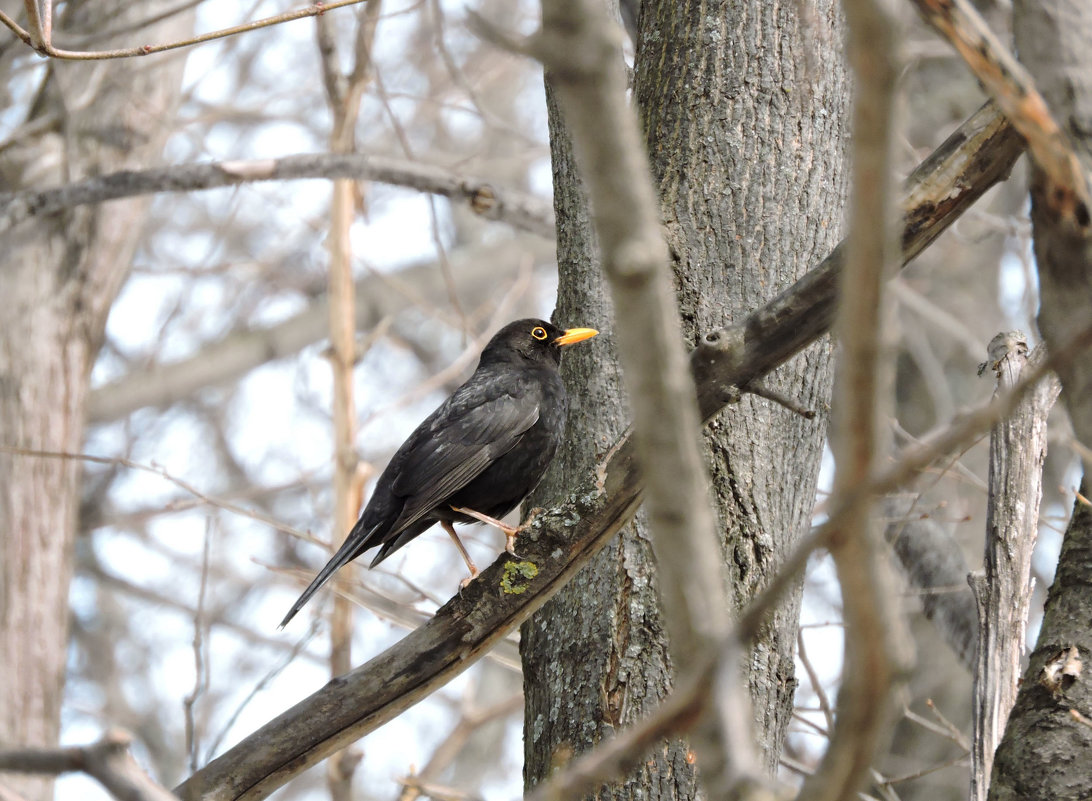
(60, 276)
(748, 140)
(751, 176)
(595, 657)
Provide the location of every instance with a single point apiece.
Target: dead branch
(1003, 588)
(240, 351)
(1012, 87)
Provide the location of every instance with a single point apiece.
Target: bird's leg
(450, 529)
(509, 532)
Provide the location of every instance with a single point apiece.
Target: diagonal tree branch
(562, 540)
(1014, 90)
(515, 208)
(977, 155)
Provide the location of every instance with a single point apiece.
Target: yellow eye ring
(538, 332)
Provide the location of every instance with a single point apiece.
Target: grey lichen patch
(517, 577)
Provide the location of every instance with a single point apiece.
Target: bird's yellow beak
(575, 335)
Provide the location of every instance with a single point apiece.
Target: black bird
(474, 458)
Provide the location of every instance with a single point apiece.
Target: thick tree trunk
(752, 179)
(595, 658)
(60, 276)
(748, 134)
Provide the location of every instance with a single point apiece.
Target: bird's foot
(473, 568)
(510, 543)
(466, 581)
(489, 521)
(510, 537)
(510, 533)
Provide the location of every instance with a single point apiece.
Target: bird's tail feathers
(355, 544)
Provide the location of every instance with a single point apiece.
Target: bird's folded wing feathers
(472, 439)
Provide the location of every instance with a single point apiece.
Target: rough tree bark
(748, 151)
(595, 657)
(1044, 751)
(748, 142)
(1002, 589)
(60, 275)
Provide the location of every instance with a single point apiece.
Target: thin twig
(200, 661)
(445, 753)
(816, 684)
(46, 49)
(157, 470)
(262, 683)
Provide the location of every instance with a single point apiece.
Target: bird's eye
(538, 332)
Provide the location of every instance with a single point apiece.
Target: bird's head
(534, 340)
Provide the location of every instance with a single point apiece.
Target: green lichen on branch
(517, 577)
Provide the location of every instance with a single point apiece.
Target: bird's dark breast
(510, 479)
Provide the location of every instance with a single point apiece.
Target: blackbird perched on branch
(474, 458)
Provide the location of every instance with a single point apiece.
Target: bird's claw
(466, 581)
(510, 543)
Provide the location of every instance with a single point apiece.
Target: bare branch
(228, 359)
(875, 635)
(816, 685)
(515, 208)
(200, 653)
(163, 473)
(108, 761)
(454, 743)
(37, 40)
(344, 101)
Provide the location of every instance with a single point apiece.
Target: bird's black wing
(476, 428)
(481, 422)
